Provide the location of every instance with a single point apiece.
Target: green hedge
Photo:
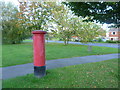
(110, 41)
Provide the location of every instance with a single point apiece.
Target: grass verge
(23, 53)
(102, 74)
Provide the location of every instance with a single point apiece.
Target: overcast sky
(15, 2)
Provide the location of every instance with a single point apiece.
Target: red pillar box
(39, 53)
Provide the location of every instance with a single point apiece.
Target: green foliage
(110, 41)
(12, 32)
(61, 17)
(17, 25)
(86, 31)
(35, 15)
(102, 74)
(104, 12)
(99, 40)
(39, 16)
(69, 25)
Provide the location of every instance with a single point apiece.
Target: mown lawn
(102, 74)
(23, 53)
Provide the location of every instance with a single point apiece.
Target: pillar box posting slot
(39, 53)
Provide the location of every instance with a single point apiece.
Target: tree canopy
(18, 24)
(12, 31)
(103, 12)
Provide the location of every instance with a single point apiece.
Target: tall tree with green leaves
(103, 12)
(69, 25)
(12, 32)
(34, 15)
(62, 18)
(86, 31)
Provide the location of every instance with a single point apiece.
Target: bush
(110, 41)
(76, 40)
(100, 40)
(118, 41)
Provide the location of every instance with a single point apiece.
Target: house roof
(115, 29)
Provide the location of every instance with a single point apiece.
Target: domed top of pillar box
(38, 32)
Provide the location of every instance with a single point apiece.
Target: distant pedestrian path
(92, 44)
(20, 70)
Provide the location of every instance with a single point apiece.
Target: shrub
(100, 40)
(110, 41)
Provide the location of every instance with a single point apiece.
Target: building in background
(114, 34)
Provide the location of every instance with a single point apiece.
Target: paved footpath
(92, 44)
(21, 70)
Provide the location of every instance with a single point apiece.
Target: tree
(12, 32)
(34, 15)
(86, 31)
(62, 18)
(69, 25)
(103, 12)
(38, 15)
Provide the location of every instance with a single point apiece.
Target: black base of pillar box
(39, 71)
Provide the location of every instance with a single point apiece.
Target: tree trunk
(65, 42)
(13, 42)
(89, 48)
(47, 40)
(68, 39)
